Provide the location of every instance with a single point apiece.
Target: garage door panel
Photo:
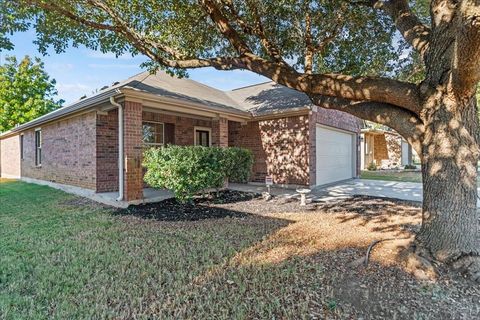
(334, 155)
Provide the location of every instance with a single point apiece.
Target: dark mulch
(229, 203)
(216, 205)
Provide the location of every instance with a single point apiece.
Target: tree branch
(380, 90)
(412, 29)
(224, 26)
(376, 89)
(407, 124)
(466, 56)
(51, 6)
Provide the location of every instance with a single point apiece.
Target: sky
(80, 71)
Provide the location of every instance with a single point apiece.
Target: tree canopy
(350, 37)
(26, 92)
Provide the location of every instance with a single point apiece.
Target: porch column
(220, 132)
(133, 183)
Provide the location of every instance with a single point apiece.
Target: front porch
(150, 124)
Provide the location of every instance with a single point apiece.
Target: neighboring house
(292, 140)
(385, 148)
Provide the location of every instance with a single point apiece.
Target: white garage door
(334, 155)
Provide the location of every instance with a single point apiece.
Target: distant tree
(26, 92)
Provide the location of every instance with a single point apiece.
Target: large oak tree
(413, 66)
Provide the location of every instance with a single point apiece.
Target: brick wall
(380, 148)
(337, 119)
(220, 132)
(280, 147)
(133, 150)
(107, 152)
(68, 152)
(388, 148)
(10, 166)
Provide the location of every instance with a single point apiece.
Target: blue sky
(80, 71)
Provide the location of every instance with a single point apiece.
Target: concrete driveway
(386, 189)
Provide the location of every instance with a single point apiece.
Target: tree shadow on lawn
(256, 259)
(304, 270)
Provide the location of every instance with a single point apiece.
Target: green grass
(404, 176)
(64, 259)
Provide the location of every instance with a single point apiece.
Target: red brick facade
(107, 152)
(280, 147)
(284, 148)
(133, 183)
(68, 152)
(10, 165)
(220, 132)
(83, 150)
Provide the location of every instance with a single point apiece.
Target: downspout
(120, 149)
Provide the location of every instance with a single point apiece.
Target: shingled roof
(269, 97)
(255, 100)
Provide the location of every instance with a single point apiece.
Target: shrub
(410, 166)
(188, 170)
(238, 164)
(372, 166)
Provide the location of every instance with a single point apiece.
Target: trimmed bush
(410, 167)
(238, 164)
(372, 166)
(188, 170)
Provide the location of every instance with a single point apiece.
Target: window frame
(154, 144)
(22, 142)
(209, 130)
(38, 147)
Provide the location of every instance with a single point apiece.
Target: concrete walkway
(386, 189)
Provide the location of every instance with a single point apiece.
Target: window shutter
(169, 133)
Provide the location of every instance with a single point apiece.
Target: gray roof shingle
(257, 100)
(269, 97)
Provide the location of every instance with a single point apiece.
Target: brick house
(293, 141)
(385, 148)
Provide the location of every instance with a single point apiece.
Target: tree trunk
(451, 224)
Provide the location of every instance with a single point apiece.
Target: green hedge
(188, 170)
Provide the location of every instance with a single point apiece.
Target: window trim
(155, 144)
(22, 142)
(38, 160)
(195, 129)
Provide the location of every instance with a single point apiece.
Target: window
(21, 147)
(38, 147)
(153, 133)
(202, 137)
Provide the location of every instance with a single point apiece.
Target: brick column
(133, 151)
(220, 132)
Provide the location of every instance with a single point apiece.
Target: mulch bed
(213, 206)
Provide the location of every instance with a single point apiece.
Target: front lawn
(389, 175)
(63, 257)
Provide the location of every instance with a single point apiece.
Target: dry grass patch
(66, 258)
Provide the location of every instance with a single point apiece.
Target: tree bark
(451, 224)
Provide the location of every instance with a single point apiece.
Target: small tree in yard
(26, 92)
(193, 169)
(411, 65)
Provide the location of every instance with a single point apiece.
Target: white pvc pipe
(120, 149)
